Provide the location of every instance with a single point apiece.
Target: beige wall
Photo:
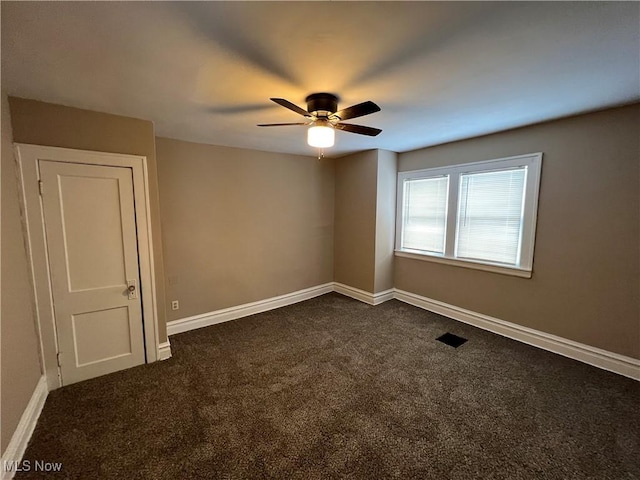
(365, 220)
(20, 363)
(42, 123)
(385, 219)
(586, 272)
(355, 220)
(242, 225)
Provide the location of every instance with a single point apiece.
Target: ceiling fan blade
(348, 127)
(359, 110)
(280, 124)
(291, 106)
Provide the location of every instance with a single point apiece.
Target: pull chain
(320, 154)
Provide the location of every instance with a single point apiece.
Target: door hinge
(40, 187)
(58, 359)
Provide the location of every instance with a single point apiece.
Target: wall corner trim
(20, 438)
(164, 350)
(244, 310)
(613, 362)
(362, 295)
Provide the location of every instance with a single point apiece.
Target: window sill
(515, 271)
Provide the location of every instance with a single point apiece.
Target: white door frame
(27, 157)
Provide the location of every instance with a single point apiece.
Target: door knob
(131, 289)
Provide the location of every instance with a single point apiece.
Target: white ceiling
(440, 71)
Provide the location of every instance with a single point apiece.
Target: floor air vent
(451, 340)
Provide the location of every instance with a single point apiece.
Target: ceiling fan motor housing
(322, 104)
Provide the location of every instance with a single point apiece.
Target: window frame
(524, 268)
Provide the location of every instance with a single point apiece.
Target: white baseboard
(164, 350)
(362, 295)
(382, 297)
(233, 313)
(613, 362)
(20, 438)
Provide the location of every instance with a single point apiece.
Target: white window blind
(425, 214)
(490, 209)
(476, 215)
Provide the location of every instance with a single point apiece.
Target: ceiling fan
(323, 116)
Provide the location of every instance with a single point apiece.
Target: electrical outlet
(175, 305)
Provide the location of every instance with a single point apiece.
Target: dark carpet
(334, 388)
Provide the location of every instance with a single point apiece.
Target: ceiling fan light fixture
(321, 136)
(323, 118)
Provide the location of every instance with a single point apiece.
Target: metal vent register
(451, 340)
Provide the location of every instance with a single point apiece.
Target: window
(478, 215)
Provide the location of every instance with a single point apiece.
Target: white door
(93, 260)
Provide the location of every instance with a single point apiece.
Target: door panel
(92, 233)
(93, 257)
(90, 329)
